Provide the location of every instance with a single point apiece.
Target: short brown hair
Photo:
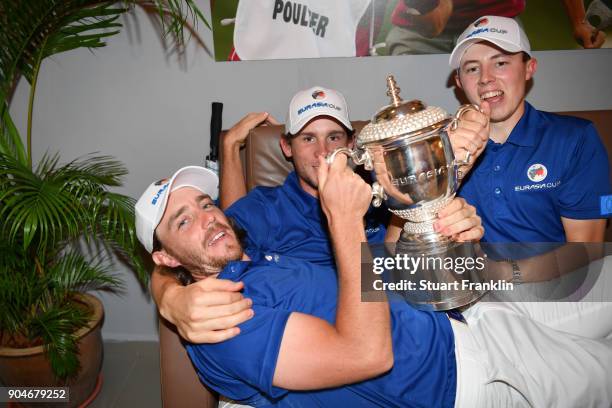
(289, 137)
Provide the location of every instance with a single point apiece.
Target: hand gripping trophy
(407, 146)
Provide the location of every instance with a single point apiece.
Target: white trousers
(537, 354)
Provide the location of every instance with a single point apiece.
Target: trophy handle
(455, 123)
(358, 156)
(378, 194)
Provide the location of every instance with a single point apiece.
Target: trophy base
(445, 274)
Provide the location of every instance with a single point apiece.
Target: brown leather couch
(265, 165)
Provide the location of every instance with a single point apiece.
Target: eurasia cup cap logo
(318, 94)
(313, 102)
(481, 22)
(537, 172)
(505, 33)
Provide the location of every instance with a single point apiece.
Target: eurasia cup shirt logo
(537, 172)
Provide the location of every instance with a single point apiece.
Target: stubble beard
(213, 264)
(217, 263)
(308, 179)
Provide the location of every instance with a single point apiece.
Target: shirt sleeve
(242, 368)
(586, 179)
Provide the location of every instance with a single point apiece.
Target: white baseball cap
(504, 32)
(314, 102)
(152, 203)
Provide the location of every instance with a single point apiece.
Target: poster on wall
(282, 29)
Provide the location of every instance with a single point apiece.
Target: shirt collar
(526, 132)
(234, 269)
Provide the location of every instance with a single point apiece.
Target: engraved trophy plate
(407, 146)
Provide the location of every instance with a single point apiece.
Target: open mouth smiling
(490, 94)
(215, 238)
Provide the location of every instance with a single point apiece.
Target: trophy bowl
(407, 147)
(417, 174)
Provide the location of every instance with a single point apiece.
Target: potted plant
(61, 223)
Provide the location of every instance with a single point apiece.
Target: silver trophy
(407, 146)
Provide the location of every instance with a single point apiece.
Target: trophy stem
(421, 237)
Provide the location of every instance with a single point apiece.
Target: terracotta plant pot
(28, 367)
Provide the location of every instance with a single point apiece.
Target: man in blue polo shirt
(539, 179)
(288, 219)
(314, 342)
(541, 175)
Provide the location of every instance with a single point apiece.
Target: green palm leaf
(49, 211)
(56, 326)
(61, 203)
(10, 139)
(36, 29)
(75, 273)
(32, 30)
(116, 227)
(20, 288)
(36, 209)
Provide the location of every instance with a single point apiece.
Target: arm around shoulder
(207, 311)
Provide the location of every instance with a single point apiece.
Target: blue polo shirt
(242, 368)
(551, 166)
(287, 220)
